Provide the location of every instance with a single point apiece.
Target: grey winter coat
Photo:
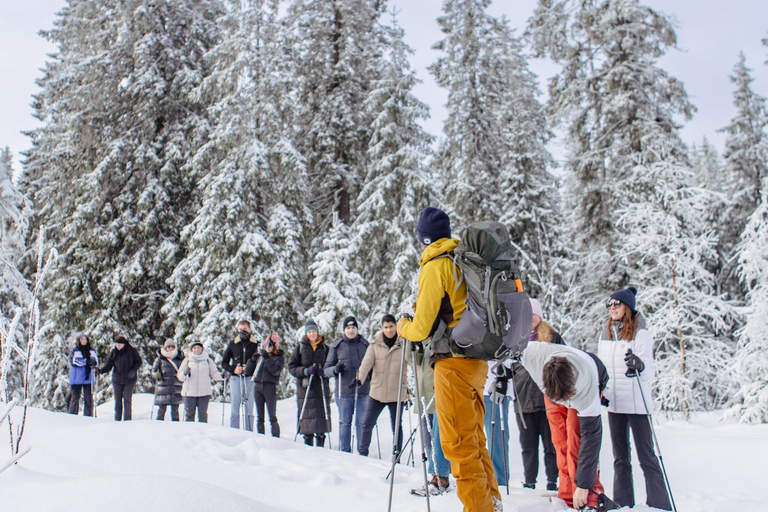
(385, 363)
(167, 385)
(351, 353)
(316, 419)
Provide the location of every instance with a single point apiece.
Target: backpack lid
(488, 240)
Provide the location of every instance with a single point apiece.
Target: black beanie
(121, 339)
(433, 225)
(627, 296)
(350, 320)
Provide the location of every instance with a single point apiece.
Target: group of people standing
(557, 390)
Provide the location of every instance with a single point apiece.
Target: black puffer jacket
(168, 386)
(316, 419)
(270, 369)
(126, 363)
(233, 355)
(351, 353)
(528, 396)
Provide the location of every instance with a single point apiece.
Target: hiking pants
(372, 412)
(174, 412)
(74, 399)
(623, 489)
(459, 383)
(240, 386)
(347, 409)
(196, 402)
(123, 400)
(566, 436)
(500, 442)
(265, 393)
(538, 427)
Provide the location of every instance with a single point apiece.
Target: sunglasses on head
(612, 304)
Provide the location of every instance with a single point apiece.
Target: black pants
(623, 489)
(318, 438)
(74, 399)
(371, 417)
(174, 412)
(123, 400)
(265, 393)
(538, 427)
(196, 402)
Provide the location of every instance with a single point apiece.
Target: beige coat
(196, 372)
(385, 363)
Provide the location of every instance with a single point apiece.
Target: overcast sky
(711, 33)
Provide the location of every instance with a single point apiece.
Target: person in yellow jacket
(459, 380)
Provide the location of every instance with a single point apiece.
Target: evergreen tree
(336, 289)
(398, 185)
(335, 49)
(110, 167)
(14, 211)
(666, 246)
(618, 108)
(751, 360)
(745, 165)
(243, 258)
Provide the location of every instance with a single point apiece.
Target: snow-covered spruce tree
(750, 365)
(335, 47)
(745, 165)
(337, 290)
(110, 167)
(616, 104)
(243, 258)
(665, 244)
(398, 185)
(14, 291)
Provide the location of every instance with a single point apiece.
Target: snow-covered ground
(89, 465)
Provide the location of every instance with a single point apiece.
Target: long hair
(629, 328)
(544, 332)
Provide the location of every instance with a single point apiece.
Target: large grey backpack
(497, 321)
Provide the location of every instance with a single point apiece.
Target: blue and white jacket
(79, 373)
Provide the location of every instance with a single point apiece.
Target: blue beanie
(433, 225)
(310, 325)
(627, 296)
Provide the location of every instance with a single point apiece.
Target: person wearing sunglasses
(235, 360)
(626, 348)
(167, 384)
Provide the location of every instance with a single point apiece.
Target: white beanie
(536, 308)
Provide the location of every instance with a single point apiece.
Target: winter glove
(604, 401)
(418, 347)
(635, 365)
(502, 372)
(131, 374)
(263, 353)
(354, 383)
(311, 370)
(339, 368)
(499, 390)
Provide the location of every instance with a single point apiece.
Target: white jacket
(196, 372)
(622, 391)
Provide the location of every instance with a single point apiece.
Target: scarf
(169, 355)
(533, 336)
(389, 342)
(199, 358)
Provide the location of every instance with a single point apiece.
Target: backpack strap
(456, 277)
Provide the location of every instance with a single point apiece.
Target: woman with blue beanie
(626, 348)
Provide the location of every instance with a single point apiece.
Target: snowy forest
(202, 161)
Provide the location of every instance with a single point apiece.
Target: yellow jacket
(438, 296)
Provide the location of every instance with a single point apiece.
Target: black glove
(354, 383)
(263, 353)
(503, 372)
(499, 390)
(635, 365)
(417, 346)
(604, 401)
(339, 368)
(311, 370)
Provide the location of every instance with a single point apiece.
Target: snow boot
(497, 505)
(438, 485)
(551, 486)
(529, 486)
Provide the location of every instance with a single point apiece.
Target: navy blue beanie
(627, 296)
(433, 225)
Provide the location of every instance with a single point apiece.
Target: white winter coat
(196, 372)
(622, 391)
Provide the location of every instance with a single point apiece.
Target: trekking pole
(398, 425)
(243, 401)
(223, 397)
(425, 419)
(493, 422)
(327, 413)
(504, 419)
(354, 422)
(95, 380)
(421, 430)
(378, 443)
(655, 440)
(402, 451)
(411, 459)
(303, 407)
